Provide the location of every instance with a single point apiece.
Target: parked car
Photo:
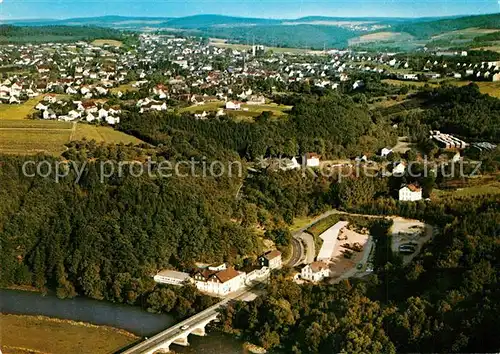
(184, 327)
(406, 249)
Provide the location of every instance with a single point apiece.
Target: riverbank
(40, 334)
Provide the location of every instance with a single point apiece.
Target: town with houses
(90, 83)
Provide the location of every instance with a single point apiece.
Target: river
(129, 318)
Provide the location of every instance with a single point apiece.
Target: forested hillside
(95, 237)
(43, 34)
(333, 126)
(462, 111)
(427, 29)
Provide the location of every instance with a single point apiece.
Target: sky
(59, 9)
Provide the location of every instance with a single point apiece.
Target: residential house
(271, 259)
(233, 105)
(112, 120)
(256, 100)
(312, 159)
(385, 152)
(50, 98)
(48, 114)
(220, 282)
(102, 113)
(410, 193)
(160, 91)
(399, 169)
(315, 272)
(41, 107)
(286, 164)
(90, 117)
(358, 84)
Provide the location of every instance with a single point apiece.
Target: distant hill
(312, 32)
(300, 36)
(427, 28)
(203, 21)
(42, 34)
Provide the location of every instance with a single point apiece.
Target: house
(385, 152)
(172, 277)
(410, 77)
(358, 84)
(410, 193)
(112, 120)
(220, 282)
(153, 106)
(256, 100)
(14, 99)
(101, 91)
(496, 77)
(233, 105)
(160, 91)
(85, 90)
(363, 158)
(271, 259)
(102, 113)
(71, 91)
(399, 169)
(90, 117)
(41, 107)
(74, 114)
(48, 114)
(315, 272)
(289, 164)
(50, 98)
(312, 159)
(89, 106)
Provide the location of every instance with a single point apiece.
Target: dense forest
(462, 111)
(333, 126)
(43, 34)
(103, 239)
(427, 29)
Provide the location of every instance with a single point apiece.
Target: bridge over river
(178, 334)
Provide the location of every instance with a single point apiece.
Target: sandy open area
(404, 231)
(339, 264)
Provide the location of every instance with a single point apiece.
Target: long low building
(329, 238)
(172, 277)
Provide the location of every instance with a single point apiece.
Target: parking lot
(409, 232)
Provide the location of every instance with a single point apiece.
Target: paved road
(298, 249)
(297, 252)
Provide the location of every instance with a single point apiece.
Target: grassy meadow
(247, 112)
(38, 334)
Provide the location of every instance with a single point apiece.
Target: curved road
(298, 249)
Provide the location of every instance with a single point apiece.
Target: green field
(28, 137)
(485, 188)
(247, 112)
(37, 334)
(19, 111)
(111, 42)
(124, 88)
(323, 225)
(103, 134)
(33, 141)
(490, 88)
